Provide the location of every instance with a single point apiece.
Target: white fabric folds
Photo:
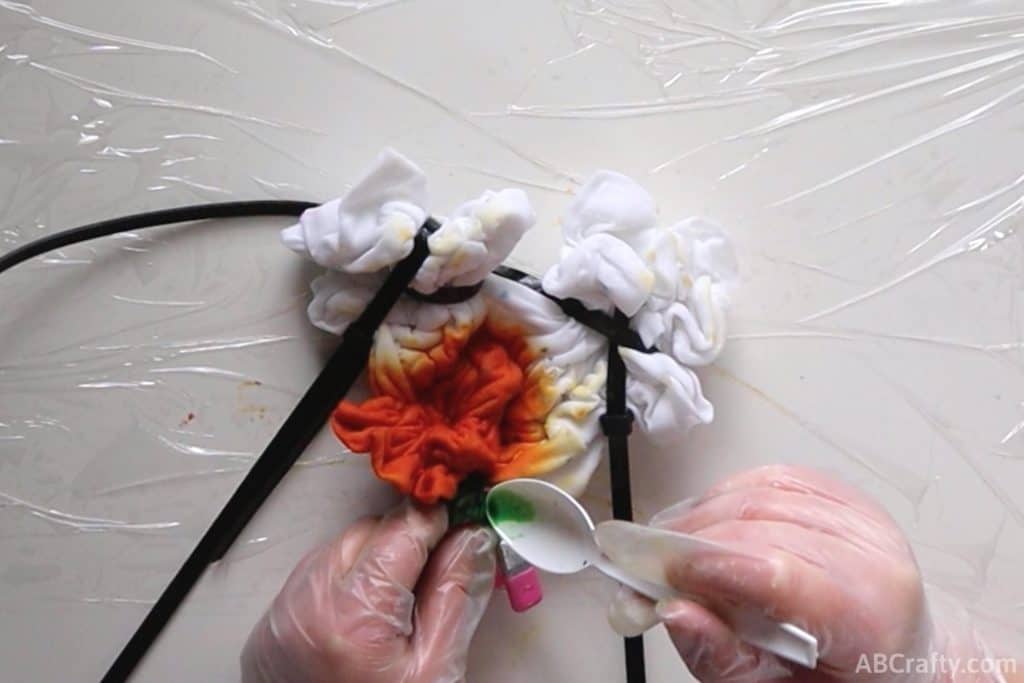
(673, 282)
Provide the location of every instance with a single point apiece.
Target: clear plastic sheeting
(864, 155)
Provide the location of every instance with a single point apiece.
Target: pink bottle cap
(524, 589)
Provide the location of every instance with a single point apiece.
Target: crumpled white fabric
(674, 282)
(374, 225)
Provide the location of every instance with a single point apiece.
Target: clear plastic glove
(806, 549)
(387, 602)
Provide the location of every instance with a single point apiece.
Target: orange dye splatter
(466, 405)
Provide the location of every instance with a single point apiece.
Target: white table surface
(866, 157)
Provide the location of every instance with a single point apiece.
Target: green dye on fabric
(468, 506)
(505, 506)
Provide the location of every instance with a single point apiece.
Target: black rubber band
(446, 295)
(152, 219)
(615, 328)
(617, 423)
(339, 374)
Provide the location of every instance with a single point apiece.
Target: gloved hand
(387, 602)
(806, 549)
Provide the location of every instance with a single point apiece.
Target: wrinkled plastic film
(864, 157)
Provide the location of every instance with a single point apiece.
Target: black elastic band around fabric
(615, 328)
(446, 295)
(313, 410)
(617, 423)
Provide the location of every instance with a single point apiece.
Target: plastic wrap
(864, 156)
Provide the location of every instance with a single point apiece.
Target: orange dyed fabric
(464, 406)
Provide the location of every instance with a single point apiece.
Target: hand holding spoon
(550, 530)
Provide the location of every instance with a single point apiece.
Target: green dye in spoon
(505, 506)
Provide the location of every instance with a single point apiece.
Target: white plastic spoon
(553, 532)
